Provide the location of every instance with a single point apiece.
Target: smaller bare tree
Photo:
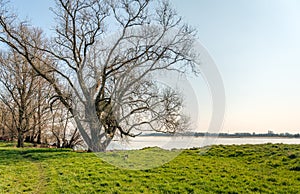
(19, 81)
(5, 121)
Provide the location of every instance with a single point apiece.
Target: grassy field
(269, 168)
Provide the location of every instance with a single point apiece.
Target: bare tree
(4, 122)
(18, 79)
(8, 130)
(25, 99)
(113, 92)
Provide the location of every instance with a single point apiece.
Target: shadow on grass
(12, 144)
(8, 156)
(12, 155)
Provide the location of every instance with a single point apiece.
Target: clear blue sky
(256, 45)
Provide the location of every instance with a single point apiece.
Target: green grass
(268, 168)
(146, 158)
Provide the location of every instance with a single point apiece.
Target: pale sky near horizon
(256, 46)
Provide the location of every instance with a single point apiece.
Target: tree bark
(20, 139)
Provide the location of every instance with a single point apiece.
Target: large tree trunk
(39, 137)
(58, 143)
(20, 139)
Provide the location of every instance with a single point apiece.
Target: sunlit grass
(221, 169)
(146, 158)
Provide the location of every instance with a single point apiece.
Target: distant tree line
(206, 134)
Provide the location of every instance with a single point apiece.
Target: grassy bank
(269, 168)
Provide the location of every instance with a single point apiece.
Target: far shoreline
(224, 136)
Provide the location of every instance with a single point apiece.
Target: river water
(190, 142)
